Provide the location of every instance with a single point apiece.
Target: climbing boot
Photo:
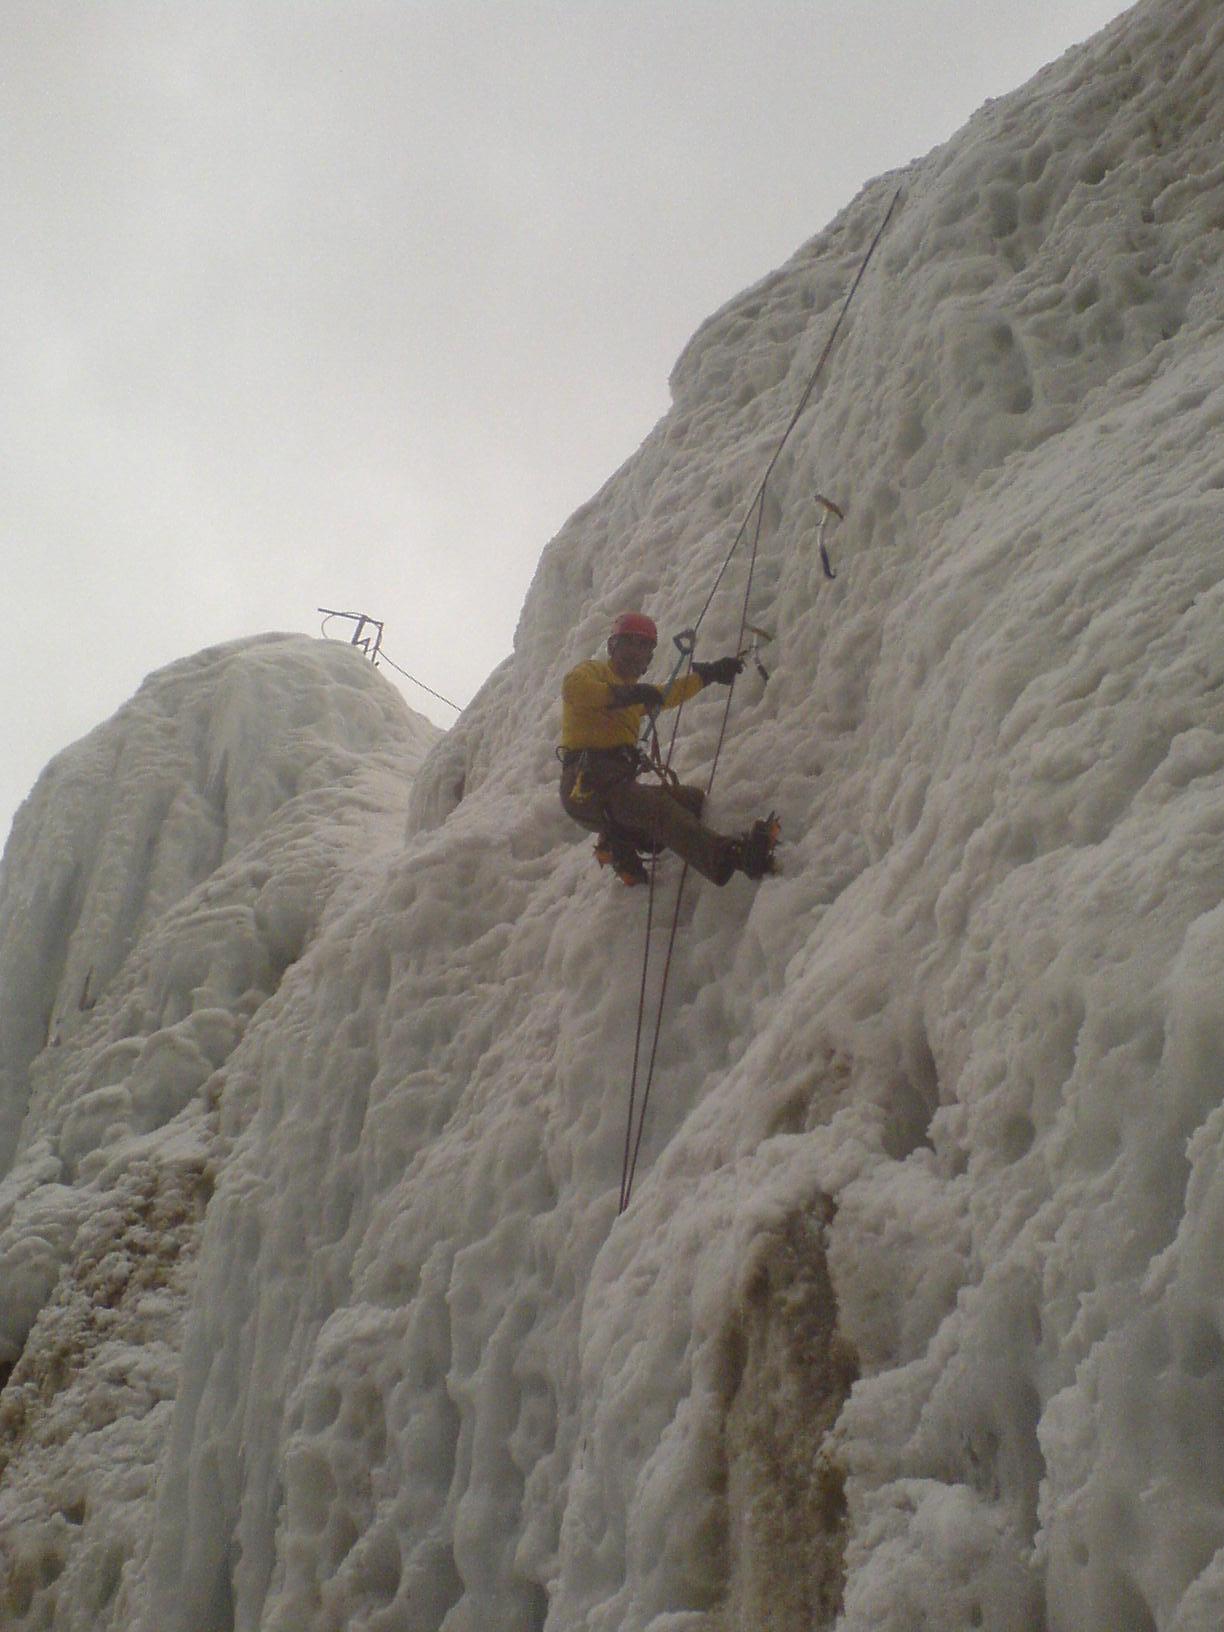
(622, 858)
(755, 850)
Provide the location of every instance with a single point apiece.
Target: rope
(360, 618)
(628, 1165)
(629, 1171)
(456, 706)
(633, 1144)
(758, 497)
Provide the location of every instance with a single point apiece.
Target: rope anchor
(372, 647)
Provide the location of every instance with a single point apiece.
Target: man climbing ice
(602, 705)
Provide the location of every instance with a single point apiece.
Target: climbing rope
(633, 1139)
(456, 706)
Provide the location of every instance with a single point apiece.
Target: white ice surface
(321, 1315)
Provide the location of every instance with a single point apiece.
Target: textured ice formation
(158, 883)
(323, 1316)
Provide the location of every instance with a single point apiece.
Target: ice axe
(827, 509)
(753, 649)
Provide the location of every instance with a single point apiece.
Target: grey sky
(351, 302)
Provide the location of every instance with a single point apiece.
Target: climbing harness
(633, 759)
(636, 1120)
(615, 846)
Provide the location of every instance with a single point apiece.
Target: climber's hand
(650, 697)
(719, 673)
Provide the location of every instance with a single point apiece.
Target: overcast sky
(350, 303)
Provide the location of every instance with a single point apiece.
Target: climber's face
(630, 655)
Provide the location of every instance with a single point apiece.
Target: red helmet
(636, 623)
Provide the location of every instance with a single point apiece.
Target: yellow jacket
(588, 717)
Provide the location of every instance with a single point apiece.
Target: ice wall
(915, 1318)
(160, 880)
(122, 826)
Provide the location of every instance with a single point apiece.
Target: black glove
(649, 696)
(720, 673)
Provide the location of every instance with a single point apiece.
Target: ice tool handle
(684, 643)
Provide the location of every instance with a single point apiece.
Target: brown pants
(604, 793)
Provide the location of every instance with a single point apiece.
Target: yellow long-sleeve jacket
(590, 720)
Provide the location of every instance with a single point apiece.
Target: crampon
(623, 859)
(756, 848)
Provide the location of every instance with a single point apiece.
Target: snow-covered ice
(316, 1028)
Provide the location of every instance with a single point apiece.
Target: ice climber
(602, 705)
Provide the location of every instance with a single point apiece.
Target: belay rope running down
(685, 642)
